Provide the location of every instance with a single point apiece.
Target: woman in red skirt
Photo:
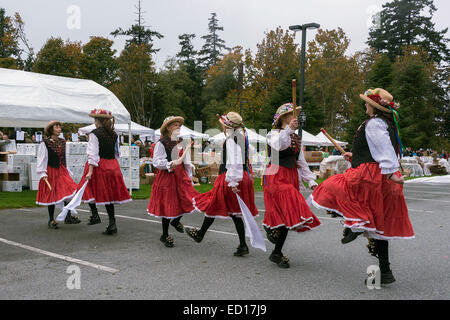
(234, 178)
(106, 185)
(172, 191)
(56, 185)
(369, 195)
(286, 208)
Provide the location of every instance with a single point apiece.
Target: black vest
(106, 143)
(223, 165)
(361, 151)
(56, 152)
(286, 158)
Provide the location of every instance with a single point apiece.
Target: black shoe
(53, 224)
(94, 219)
(168, 241)
(179, 227)
(71, 220)
(349, 235)
(110, 230)
(241, 251)
(387, 277)
(333, 214)
(194, 234)
(272, 235)
(280, 259)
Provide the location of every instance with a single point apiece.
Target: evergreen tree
(212, 49)
(402, 23)
(138, 33)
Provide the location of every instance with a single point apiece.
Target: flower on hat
(285, 108)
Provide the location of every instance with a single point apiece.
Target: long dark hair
(108, 124)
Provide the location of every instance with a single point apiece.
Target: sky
(244, 21)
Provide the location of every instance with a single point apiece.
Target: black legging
(382, 251)
(109, 210)
(238, 223)
(166, 222)
(281, 239)
(51, 211)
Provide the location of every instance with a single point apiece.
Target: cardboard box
(32, 171)
(4, 157)
(212, 179)
(3, 167)
(11, 186)
(27, 149)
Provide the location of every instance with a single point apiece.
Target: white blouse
(380, 145)
(93, 150)
(281, 140)
(234, 166)
(42, 161)
(160, 159)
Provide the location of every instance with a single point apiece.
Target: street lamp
(303, 28)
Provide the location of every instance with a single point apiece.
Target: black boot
(382, 247)
(94, 218)
(349, 235)
(111, 229)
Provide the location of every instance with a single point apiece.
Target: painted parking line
(60, 256)
(159, 222)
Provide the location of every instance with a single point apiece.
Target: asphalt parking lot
(38, 263)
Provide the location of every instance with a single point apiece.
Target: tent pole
(129, 143)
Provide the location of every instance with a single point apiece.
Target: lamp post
(303, 28)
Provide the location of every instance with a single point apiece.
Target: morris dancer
(234, 178)
(106, 185)
(56, 184)
(286, 208)
(369, 195)
(172, 192)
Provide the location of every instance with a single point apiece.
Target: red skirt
(367, 201)
(63, 187)
(106, 185)
(221, 202)
(172, 194)
(285, 205)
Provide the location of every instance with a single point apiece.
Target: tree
(402, 23)
(188, 62)
(136, 82)
(138, 33)
(59, 58)
(333, 79)
(98, 62)
(212, 49)
(413, 87)
(9, 46)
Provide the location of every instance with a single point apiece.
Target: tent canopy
(122, 128)
(326, 143)
(185, 132)
(253, 137)
(31, 100)
(309, 139)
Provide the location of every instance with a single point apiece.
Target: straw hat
(231, 120)
(380, 99)
(49, 126)
(101, 113)
(168, 121)
(283, 110)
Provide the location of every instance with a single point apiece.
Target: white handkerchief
(251, 228)
(74, 203)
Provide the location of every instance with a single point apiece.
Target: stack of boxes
(9, 182)
(124, 162)
(22, 161)
(76, 158)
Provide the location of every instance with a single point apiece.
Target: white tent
(121, 128)
(185, 132)
(31, 100)
(327, 143)
(309, 140)
(253, 137)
